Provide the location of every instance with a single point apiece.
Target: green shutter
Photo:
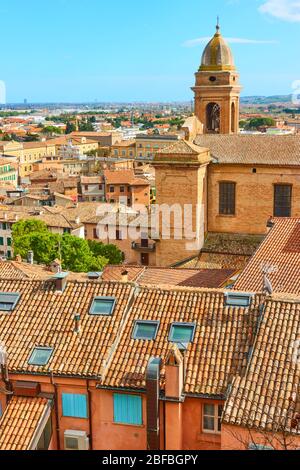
(128, 409)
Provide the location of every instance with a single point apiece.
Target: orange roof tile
(267, 396)
(19, 422)
(218, 352)
(40, 304)
(281, 250)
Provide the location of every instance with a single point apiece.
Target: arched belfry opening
(233, 118)
(213, 116)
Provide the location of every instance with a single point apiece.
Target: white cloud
(287, 10)
(205, 40)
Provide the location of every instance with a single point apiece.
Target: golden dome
(217, 55)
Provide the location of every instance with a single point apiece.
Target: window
(227, 198)
(111, 189)
(128, 409)
(1, 241)
(238, 300)
(254, 446)
(8, 301)
(118, 235)
(103, 306)
(282, 200)
(122, 189)
(74, 405)
(145, 330)
(182, 332)
(40, 356)
(45, 438)
(212, 418)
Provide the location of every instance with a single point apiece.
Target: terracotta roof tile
(280, 250)
(218, 352)
(267, 396)
(19, 422)
(20, 330)
(253, 149)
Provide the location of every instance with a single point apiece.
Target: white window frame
(216, 418)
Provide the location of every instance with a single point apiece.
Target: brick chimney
(174, 382)
(174, 373)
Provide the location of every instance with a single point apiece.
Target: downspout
(56, 412)
(7, 383)
(90, 414)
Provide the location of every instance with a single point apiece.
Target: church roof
(252, 149)
(217, 55)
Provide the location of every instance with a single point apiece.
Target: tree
(74, 252)
(256, 123)
(111, 252)
(78, 257)
(51, 130)
(70, 127)
(31, 138)
(24, 227)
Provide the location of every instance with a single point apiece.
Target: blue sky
(75, 50)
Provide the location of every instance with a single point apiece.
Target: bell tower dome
(217, 89)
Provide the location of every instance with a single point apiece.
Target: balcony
(144, 246)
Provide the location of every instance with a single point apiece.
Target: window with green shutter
(128, 409)
(74, 405)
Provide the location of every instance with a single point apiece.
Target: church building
(237, 182)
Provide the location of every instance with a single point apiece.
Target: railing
(146, 246)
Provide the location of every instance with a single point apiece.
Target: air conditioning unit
(76, 440)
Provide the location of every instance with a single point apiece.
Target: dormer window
(182, 333)
(8, 301)
(103, 306)
(145, 330)
(40, 356)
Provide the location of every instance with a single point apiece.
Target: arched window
(213, 112)
(233, 118)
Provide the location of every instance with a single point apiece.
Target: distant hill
(266, 99)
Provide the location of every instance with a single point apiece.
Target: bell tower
(217, 89)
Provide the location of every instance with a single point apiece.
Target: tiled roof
(182, 147)
(210, 278)
(219, 351)
(114, 273)
(19, 422)
(91, 179)
(123, 177)
(253, 149)
(74, 354)
(280, 250)
(267, 397)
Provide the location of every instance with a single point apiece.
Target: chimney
(18, 258)
(77, 323)
(174, 373)
(30, 257)
(152, 394)
(124, 275)
(60, 281)
(77, 220)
